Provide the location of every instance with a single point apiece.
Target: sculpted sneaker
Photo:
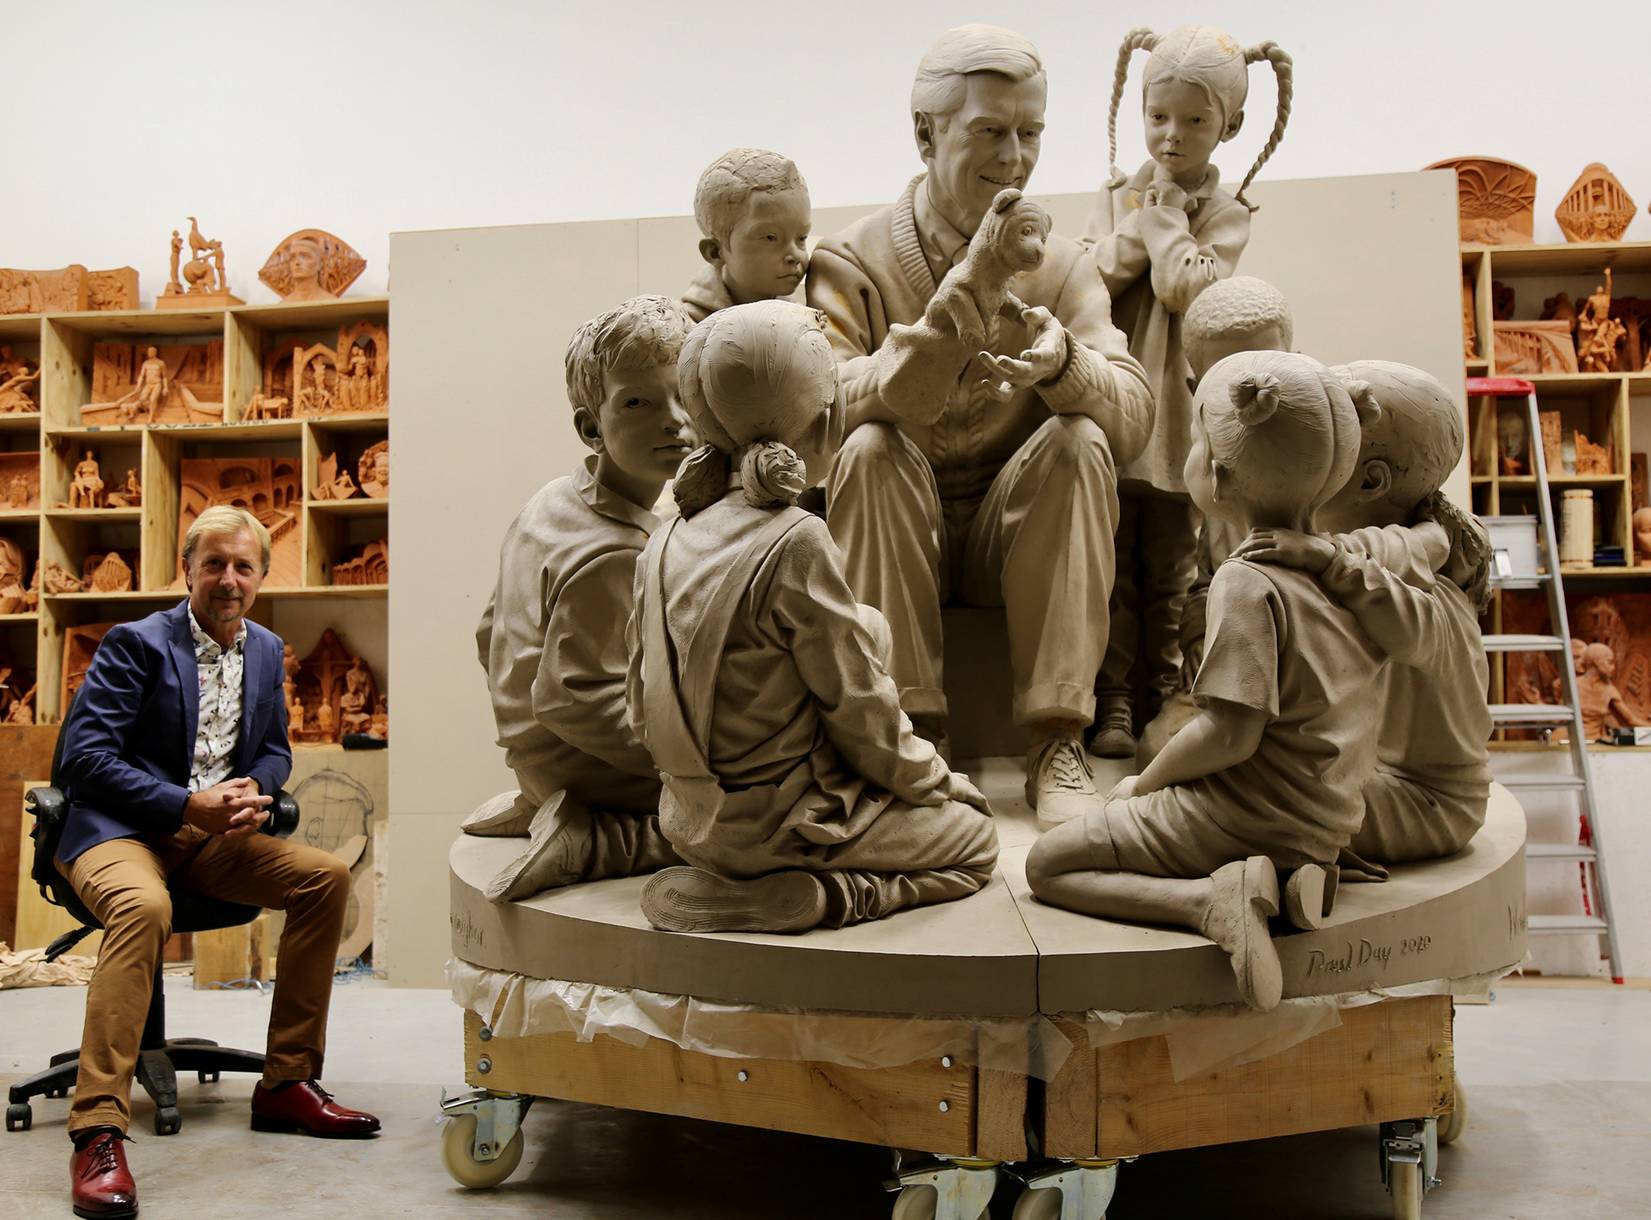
(100, 1185)
(305, 1106)
(1115, 734)
(1246, 893)
(1059, 784)
(693, 900)
(561, 845)
(1310, 895)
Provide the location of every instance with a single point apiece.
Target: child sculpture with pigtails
(1159, 237)
(794, 787)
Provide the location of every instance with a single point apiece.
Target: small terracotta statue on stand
(1597, 332)
(87, 489)
(831, 834)
(311, 265)
(754, 215)
(1596, 208)
(204, 285)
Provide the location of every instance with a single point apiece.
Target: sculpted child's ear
(1233, 124)
(1375, 479)
(710, 249)
(589, 428)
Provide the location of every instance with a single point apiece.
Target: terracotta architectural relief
(16, 596)
(1534, 347)
(1596, 208)
(108, 572)
(156, 383)
(370, 565)
(333, 483)
(317, 380)
(19, 383)
(1495, 200)
(374, 471)
(69, 289)
(269, 488)
(20, 479)
(329, 693)
(80, 645)
(204, 284)
(311, 265)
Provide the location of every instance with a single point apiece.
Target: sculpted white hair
(938, 90)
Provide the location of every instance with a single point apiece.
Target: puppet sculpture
(1161, 236)
(794, 787)
(552, 639)
(1268, 776)
(754, 215)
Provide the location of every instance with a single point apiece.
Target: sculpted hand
(234, 807)
(1165, 193)
(963, 789)
(1044, 361)
(1287, 549)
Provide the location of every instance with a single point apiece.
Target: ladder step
(1521, 582)
(1558, 851)
(1542, 783)
(1524, 643)
(1566, 925)
(1529, 713)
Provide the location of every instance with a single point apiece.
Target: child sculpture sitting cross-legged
(793, 783)
(1268, 775)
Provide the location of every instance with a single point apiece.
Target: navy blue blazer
(130, 742)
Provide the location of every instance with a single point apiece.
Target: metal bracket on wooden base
(498, 1118)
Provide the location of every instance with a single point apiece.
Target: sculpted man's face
(990, 142)
(767, 252)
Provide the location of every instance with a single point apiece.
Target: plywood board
(25, 750)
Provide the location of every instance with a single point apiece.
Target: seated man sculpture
(176, 744)
(552, 639)
(1005, 493)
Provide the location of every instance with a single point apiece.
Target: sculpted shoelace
(1067, 767)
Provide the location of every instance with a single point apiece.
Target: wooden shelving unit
(327, 530)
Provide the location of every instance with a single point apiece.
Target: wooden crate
(1385, 1061)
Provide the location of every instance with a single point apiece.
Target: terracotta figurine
(15, 398)
(795, 789)
(204, 282)
(130, 494)
(552, 639)
(87, 489)
(58, 579)
(153, 382)
(1597, 332)
(354, 710)
(1603, 706)
(754, 215)
(1513, 443)
(379, 726)
(1415, 572)
(1267, 777)
(1596, 208)
(173, 285)
(1161, 236)
(334, 484)
(1026, 487)
(1239, 314)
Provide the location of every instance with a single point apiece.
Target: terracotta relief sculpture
(129, 494)
(374, 471)
(80, 645)
(58, 579)
(552, 639)
(853, 816)
(19, 383)
(311, 265)
(326, 684)
(370, 566)
(259, 408)
(20, 709)
(1288, 686)
(203, 285)
(1512, 443)
(20, 477)
(177, 383)
(1496, 199)
(1597, 332)
(754, 215)
(108, 572)
(86, 491)
(1161, 236)
(333, 484)
(1602, 704)
(269, 488)
(1470, 327)
(68, 290)
(1553, 455)
(1533, 347)
(318, 380)
(1027, 486)
(16, 597)
(1596, 208)
(1591, 458)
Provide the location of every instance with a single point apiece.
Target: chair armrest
(283, 815)
(50, 809)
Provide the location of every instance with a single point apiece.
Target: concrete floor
(1557, 1078)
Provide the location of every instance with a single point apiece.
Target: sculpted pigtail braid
(1139, 38)
(1284, 70)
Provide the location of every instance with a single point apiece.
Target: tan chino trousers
(124, 883)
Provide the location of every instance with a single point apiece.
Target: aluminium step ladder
(1588, 852)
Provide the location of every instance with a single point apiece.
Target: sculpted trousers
(624, 814)
(1157, 544)
(1405, 821)
(124, 883)
(1040, 544)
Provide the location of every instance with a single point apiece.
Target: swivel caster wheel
(1404, 1183)
(1453, 1124)
(460, 1156)
(1068, 1190)
(207, 1077)
(952, 1188)
(1039, 1205)
(19, 1116)
(167, 1120)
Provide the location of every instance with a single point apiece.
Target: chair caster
(167, 1120)
(19, 1116)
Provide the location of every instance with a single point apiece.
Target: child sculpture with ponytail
(1268, 776)
(1159, 237)
(794, 788)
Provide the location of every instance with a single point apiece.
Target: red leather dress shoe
(101, 1185)
(305, 1106)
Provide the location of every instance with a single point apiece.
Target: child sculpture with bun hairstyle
(1159, 238)
(1268, 776)
(794, 788)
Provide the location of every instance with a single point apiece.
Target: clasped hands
(234, 807)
